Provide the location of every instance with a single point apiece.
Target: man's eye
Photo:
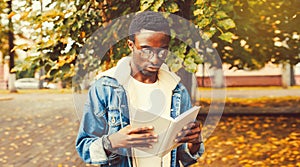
(147, 51)
(163, 52)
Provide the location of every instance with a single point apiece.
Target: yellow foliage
(253, 141)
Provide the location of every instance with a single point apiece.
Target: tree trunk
(293, 81)
(41, 71)
(286, 75)
(187, 79)
(218, 78)
(203, 75)
(12, 76)
(11, 82)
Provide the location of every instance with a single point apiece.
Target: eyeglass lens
(162, 54)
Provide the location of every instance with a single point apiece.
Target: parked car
(32, 83)
(48, 85)
(27, 83)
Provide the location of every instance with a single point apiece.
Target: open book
(166, 128)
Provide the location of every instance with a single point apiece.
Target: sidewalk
(246, 94)
(230, 92)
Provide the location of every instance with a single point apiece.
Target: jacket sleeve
(185, 157)
(92, 127)
(183, 153)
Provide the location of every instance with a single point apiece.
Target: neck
(144, 79)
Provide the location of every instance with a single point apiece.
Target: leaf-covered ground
(39, 129)
(262, 131)
(254, 141)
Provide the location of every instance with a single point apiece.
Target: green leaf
(199, 2)
(145, 4)
(157, 5)
(174, 63)
(227, 37)
(173, 7)
(208, 34)
(221, 15)
(204, 22)
(196, 57)
(214, 4)
(190, 65)
(226, 24)
(198, 12)
(188, 60)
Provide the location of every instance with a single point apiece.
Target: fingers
(142, 137)
(138, 137)
(188, 139)
(141, 145)
(190, 133)
(142, 140)
(192, 125)
(189, 136)
(141, 130)
(138, 141)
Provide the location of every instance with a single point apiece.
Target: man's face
(146, 40)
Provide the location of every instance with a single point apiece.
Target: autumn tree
(246, 34)
(73, 23)
(266, 31)
(3, 28)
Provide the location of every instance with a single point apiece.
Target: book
(165, 128)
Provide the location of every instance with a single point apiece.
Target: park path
(39, 129)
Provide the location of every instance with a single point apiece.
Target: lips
(153, 68)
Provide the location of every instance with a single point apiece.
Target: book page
(166, 128)
(160, 124)
(176, 126)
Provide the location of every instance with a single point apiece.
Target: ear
(130, 44)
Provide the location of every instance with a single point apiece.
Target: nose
(155, 59)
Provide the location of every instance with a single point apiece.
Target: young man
(105, 135)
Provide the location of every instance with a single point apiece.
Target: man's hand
(191, 133)
(133, 137)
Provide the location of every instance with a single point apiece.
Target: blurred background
(43, 69)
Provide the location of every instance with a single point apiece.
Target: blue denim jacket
(106, 111)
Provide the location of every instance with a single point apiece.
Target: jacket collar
(121, 72)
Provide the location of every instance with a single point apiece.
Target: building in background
(270, 75)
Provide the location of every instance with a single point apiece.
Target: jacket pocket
(114, 121)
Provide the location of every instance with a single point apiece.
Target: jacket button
(113, 120)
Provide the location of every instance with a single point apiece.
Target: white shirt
(155, 98)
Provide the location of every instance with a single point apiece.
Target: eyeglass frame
(150, 55)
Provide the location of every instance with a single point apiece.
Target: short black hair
(148, 20)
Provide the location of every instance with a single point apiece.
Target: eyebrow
(146, 46)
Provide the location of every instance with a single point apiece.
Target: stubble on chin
(148, 73)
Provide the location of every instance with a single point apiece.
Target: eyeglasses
(148, 53)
